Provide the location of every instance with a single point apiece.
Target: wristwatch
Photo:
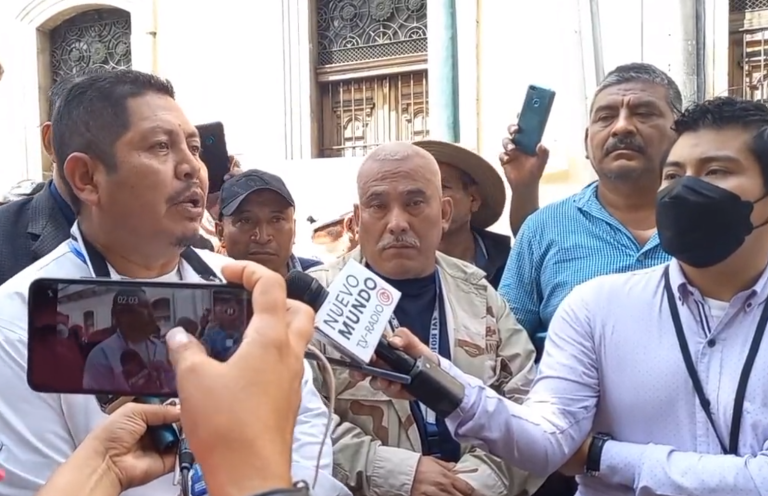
(595, 453)
(298, 489)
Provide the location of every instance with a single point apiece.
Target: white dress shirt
(612, 364)
(40, 431)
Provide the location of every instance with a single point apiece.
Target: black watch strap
(298, 489)
(595, 453)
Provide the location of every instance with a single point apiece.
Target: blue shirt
(561, 246)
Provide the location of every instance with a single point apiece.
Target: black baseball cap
(235, 189)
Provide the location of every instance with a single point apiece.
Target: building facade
(306, 87)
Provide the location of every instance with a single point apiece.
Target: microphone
(138, 376)
(336, 323)
(351, 315)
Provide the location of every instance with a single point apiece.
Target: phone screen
(108, 336)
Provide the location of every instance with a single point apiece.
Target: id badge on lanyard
(434, 343)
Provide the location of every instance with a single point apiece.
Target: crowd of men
(626, 382)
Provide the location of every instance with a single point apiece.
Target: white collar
(78, 249)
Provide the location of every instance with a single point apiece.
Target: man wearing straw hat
(478, 195)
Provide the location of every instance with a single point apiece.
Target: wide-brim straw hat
(490, 184)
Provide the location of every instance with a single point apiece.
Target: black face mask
(701, 224)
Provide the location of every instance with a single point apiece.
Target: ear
(80, 172)
(219, 229)
(46, 136)
(474, 199)
(446, 212)
(586, 143)
(293, 236)
(356, 214)
(349, 224)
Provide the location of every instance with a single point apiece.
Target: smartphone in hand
(533, 119)
(107, 337)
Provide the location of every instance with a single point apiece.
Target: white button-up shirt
(612, 364)
(40, 431)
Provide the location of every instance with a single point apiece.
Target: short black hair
(59, 88)
(91, 113)
(728, 112)
(642, 72)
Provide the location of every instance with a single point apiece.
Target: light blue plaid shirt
(561, 246)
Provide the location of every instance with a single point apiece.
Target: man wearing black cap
(478, 195)
(256, 222)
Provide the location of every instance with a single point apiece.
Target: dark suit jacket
(30, 228)
(497, 246)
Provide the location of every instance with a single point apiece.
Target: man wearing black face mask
(653, 382)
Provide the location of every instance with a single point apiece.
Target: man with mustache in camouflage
(385, 446)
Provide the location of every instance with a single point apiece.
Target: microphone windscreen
(305, 288)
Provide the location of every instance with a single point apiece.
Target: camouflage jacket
(376, 443)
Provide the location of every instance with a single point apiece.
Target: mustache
(399, 240)
(629, 143)
(183, 192)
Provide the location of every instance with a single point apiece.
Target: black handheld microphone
(137, 374)
(430, 385)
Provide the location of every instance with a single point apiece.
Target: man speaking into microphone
(130, 160)
(384, 446)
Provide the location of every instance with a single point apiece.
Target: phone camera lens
(536, 102)
(209, 140)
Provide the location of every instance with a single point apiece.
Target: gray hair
(647, 73)
(396, 151)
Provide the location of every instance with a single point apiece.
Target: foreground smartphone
(101, 336)
(107, 337)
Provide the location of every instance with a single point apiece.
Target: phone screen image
(108, 337)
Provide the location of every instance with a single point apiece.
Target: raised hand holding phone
(521, 170)
(524, 157)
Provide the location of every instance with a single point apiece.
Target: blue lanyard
(434, 339)
(76, 251)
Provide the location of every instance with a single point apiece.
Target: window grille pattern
(748, 5)
(361, 30)
(360, 114)
(96, 38)
(749, 73)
